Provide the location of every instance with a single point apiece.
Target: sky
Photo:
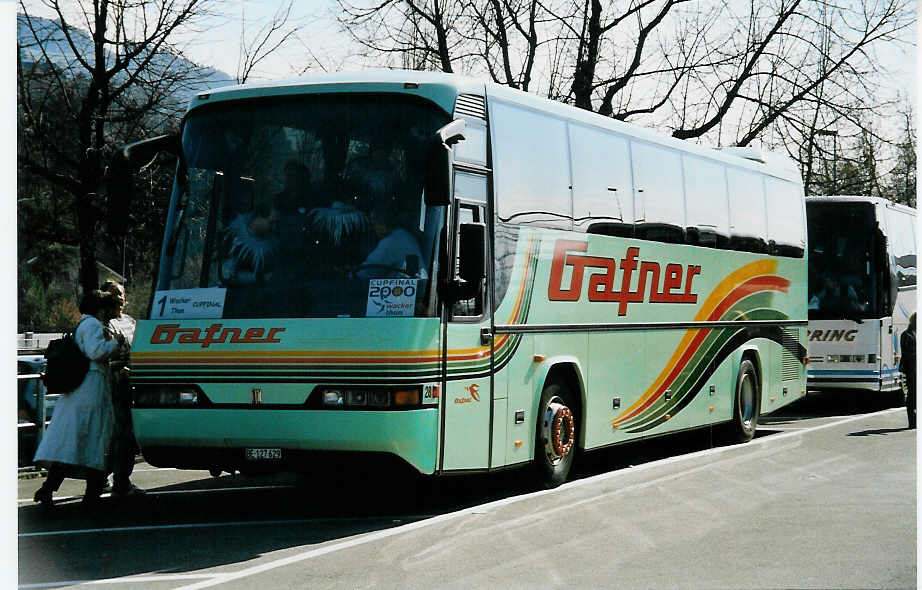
(219, 46)
(216, 43)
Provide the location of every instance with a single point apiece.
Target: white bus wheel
(555, 436)
(746, 403)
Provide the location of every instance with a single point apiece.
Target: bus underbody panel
(871, 380)
(284, 438)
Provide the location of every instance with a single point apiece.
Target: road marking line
(127, 580)
(193, 525)
(369, 538)
(167, 492)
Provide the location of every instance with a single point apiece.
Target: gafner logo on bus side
(602, 282)
(213, 334)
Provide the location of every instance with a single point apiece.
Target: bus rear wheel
(746, 404)
(555, 436)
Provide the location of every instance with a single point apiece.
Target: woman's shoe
(44, 496)
(91, 499)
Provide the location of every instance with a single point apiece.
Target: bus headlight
(850, 358)
(332, 397)
(365, 398)
(356, 397)
(168, 396)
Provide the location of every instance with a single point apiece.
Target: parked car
(29, 391)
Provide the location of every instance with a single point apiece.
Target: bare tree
(423, 35)
(270, 35)
(107, 85)
(507, 35)
(902, 187)
(725, 71)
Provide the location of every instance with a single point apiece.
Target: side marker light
(406, 398)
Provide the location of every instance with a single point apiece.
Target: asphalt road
(824, 497)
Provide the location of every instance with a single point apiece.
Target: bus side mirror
(471, 255)
(438, 163)
(119, 178)
(143, 151)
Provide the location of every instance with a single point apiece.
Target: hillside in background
(126, 233)
(48, 42)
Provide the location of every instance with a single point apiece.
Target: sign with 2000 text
(391, 298)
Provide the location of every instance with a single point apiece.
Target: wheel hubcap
(558, 429)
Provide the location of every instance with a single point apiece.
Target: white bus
(573, 282)
(862, 290)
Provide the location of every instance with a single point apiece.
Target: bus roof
(439, 87)
(443, 88)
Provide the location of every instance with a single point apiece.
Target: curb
(31, 473)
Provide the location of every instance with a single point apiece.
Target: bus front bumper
(864, 379)
(212, 438)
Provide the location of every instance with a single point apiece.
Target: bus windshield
(305, 207)
(845, 269)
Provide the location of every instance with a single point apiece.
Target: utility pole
(834, 134)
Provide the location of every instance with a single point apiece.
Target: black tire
(746, 403)
(554, 454)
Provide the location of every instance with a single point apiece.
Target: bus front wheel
(555, 436)
(746, 404)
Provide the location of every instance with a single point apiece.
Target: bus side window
(747, 210)
(903, 246)
(659, 205)
(532, 179)
(786, 230)
(603, 202)
(707, 215)
(471, 195)
(473, 307)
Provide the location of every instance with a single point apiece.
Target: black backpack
(65, 365)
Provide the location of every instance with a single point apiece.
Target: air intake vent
(790, 363)
(471, 105)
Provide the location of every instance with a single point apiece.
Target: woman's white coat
(82, 423)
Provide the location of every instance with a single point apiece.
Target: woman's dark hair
(96, 300)
(111, 286)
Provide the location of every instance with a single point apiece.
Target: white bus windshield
(846, 267)
(301, 207)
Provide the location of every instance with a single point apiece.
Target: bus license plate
(264, 454)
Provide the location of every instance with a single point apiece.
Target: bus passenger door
(468, 397)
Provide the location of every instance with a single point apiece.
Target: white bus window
(474, 147)
(747, 210)
(532, 171)
(470, 186)
(603, 200)
(468, 213)
(660, 202)
(785, 217)
(707, 214)
(903, 246)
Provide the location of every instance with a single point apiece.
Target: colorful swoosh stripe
(295, 366)
(745, 294)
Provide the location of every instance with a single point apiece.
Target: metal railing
(41, 399)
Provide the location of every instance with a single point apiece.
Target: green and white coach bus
(461, 275)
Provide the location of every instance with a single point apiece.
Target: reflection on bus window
(296, 208)
(844, 275)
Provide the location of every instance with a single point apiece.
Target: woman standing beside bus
(77, 440)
